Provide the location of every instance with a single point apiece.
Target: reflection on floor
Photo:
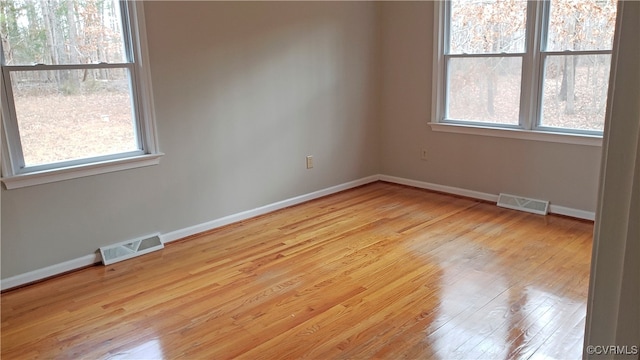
(151, 349)
(381, 271)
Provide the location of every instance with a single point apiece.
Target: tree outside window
(505, 57)
(71, 73)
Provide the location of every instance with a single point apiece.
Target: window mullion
(140, 76)
(439, 66)
(444, 114)
(543, 33)
(136, 105)
(532, 69)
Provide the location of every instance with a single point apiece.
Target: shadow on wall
(262, 85)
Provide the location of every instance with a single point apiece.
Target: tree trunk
(104, 73)
(49, 31)
(74, 80)
(8, 29)
(490, 94)
(567, 89)
(73, 33)
(570, 74)
(491, 78)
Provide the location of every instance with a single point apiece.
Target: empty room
(357, 179)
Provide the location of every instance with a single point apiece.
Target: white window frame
(531, 87)
(16, 175)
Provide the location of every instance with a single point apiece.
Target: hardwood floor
(381, 271)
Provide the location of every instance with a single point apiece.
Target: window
(75, 90)
(533, 66)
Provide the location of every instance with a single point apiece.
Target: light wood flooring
(381, 271)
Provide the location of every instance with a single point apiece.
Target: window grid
(139, 97)
(534, 61)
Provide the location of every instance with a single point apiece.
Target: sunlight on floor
(516, 320)
(151, 350)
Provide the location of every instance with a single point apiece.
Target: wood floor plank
(380, 271)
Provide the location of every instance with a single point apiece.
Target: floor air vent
(523, 204)
(132, 248)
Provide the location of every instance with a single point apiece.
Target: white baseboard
(441, 188)
(210, 225)
(554, 209)
(87, 260)
(576, 213)
(91, 259)
(49, 271)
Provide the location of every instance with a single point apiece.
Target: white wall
(566, 175)
(243, 92)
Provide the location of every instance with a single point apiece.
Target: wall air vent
(523, 204)
(132, 248)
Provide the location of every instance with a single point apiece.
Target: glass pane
(489, 26)
(61, 32)
(484, 89)
(72, 114)
(581, 25)
(575, 91)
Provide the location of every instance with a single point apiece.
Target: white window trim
(522, 134)
(529, 111)
(73, 172)
(146, 113)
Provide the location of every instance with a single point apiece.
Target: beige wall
(243, 92)
(566, 175)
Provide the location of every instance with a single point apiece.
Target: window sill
(547, 136)
(73, 172)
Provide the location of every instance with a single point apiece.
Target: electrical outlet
(423, 154)
(309, 162)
